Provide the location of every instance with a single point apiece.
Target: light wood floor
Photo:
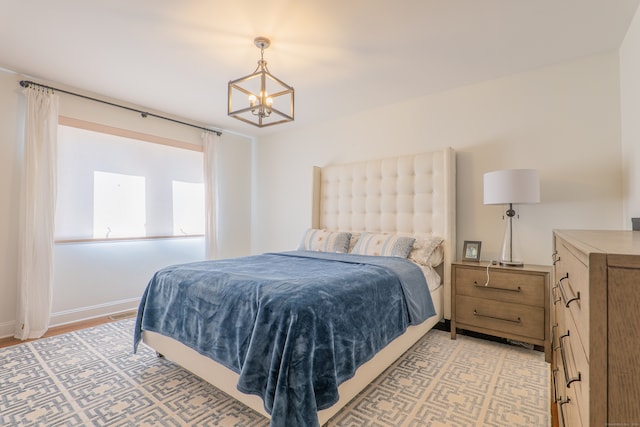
(63, 329)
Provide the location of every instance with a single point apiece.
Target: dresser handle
(553, 337)
(555, 301)
(475, 284)
(576, 298)
(556, 260)
(564, 295)
(566, 276)
(568, 380)
(555, 382)
(475, 313)
(560, 403)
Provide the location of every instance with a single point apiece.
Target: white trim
(65, 317)
(91, 312)
(7, 329)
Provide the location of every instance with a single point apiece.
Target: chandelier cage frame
(260, 95)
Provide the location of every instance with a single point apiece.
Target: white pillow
(383, 244)
(325, 241)
(427, 250)
(432, 276)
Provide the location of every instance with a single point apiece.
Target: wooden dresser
(595, 327)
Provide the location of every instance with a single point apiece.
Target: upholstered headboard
(408, 194)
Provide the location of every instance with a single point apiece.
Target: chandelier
(260, 98)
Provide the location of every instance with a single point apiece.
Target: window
(188, 208)
(112, 186)
(118, 205)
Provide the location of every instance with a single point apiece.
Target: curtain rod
(144, 114)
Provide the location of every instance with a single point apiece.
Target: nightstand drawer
(500, 316)
(504, 286)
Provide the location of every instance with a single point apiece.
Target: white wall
(93, 279)
(562, 120)
(630, 101)
(235, 166)
(96, 279)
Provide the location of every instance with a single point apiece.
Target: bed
(408, 198)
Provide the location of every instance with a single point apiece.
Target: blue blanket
(293, 325)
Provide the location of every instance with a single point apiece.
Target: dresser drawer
(572, 290)
(576, 370)
(504, 286)
(566, 398)
(499, 316)
(568, 411)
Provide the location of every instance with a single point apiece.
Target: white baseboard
(60, 318)
(7, 329)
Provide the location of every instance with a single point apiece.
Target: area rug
(91, 378)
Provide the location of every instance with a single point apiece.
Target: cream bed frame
(409, 194)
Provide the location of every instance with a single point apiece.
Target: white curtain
(38, 204)
(210, 145)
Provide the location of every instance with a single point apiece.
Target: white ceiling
(341, 56)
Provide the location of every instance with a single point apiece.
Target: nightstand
(514, 304)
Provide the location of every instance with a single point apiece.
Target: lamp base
(512, 263)
(510, 255)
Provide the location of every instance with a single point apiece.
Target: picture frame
(471, 250)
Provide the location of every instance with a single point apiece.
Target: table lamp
(509, 187)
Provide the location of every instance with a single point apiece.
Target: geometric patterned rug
(90, 377)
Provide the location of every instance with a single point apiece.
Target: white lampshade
(515, 186)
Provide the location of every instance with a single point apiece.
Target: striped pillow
(325, 241)
(383, 244)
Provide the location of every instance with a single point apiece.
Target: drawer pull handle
(475, 313)
(560, 403)
(564, 295)
(576, 298)
(556, 396)
(553, 292)
(556, 260)
(553, 338)
(566, 276)
(568, 380)
(518, 289)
